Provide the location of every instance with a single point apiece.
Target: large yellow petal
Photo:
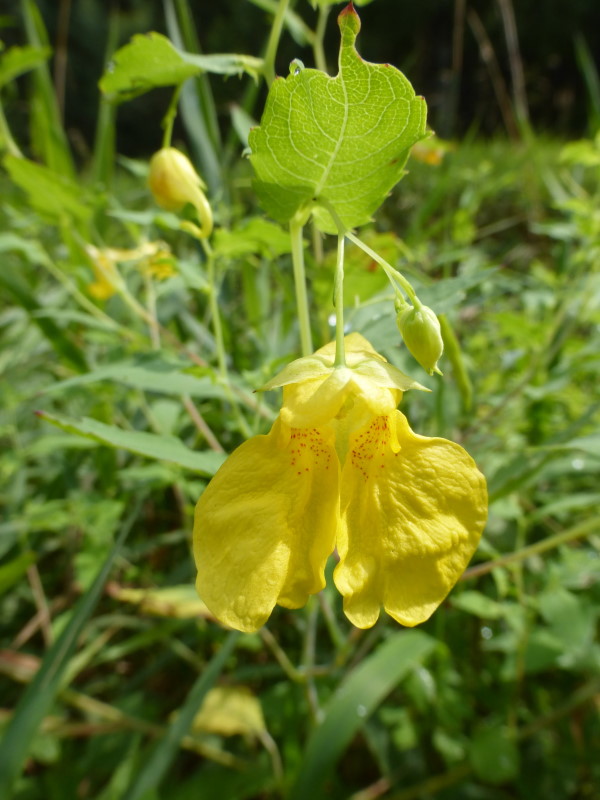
(413, 509)
(266, 524)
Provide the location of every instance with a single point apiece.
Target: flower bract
(340, 468)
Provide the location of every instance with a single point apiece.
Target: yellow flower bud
(174, 182)
(421, 332)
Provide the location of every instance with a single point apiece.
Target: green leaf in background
(589, 444)
(150, 60)
(49, 192)
(154, 375)
(15, 285)
(17, 60)
(357, 697)
(494, 755)
(14, 570)
(49, 139)
(257, 236)
(342, 141)
(151, 445)
(478, 604)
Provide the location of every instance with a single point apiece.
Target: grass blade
(41, 692)
(47, 124)
(357, 697)
(157, 761)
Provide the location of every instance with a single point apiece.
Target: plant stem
(308, 659)
(169, 118)
(318, 50)
(273, 43)
(576, 532)
(335, 632)
(300, 286)
(218, 334)
(151, 305)
(281, 656)
(214, 310)
(59, 275)
(340, 355)
(201, 425)
(393, 274)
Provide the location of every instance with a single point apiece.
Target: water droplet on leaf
(296, 67)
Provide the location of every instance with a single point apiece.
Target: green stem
(300, 287)
(454, 354)
(393, 274)
(576, 532)
(318, 51)
(219, 339)
(273, 43)
(340, 355)
(169, 118)
(335, 632)
(284, 662)
(151, 305)
(214, 311)
(81, 299)
(308, 659)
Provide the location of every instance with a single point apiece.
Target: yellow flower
(106, 274)
(340, 467)
(174, 182)
(154, 258)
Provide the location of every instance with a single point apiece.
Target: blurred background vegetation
(115, 409)
(457, 54)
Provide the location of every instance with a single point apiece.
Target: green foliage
(150, 61)
(129, 357)
(19, 60)
(356, 699)
(151, 445)
(49, 192)
(340, 142)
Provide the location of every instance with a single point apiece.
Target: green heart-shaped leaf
(340, 142)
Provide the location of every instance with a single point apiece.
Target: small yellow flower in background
(153, 258)
(106, 274)
(174, 182)
(160, 265)
(340, 467)
(431, 151)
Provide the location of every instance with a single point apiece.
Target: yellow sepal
(266, 524)
(412, 516)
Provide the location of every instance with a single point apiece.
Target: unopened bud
(420, 329)
(174, 182)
